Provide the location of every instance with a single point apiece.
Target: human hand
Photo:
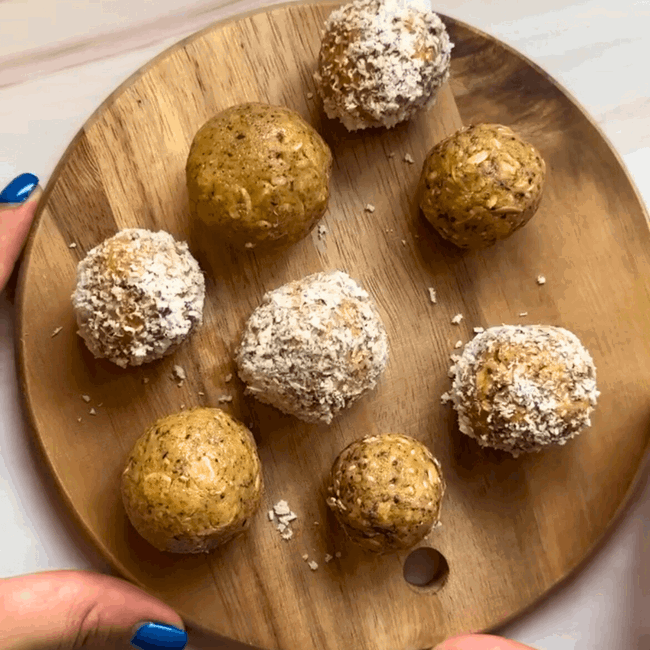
(18, 203)
(480, 642)
(65, 610)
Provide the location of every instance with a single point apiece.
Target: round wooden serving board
(511, 528)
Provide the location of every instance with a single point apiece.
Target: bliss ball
(192, 481)
(386, 492)
(480, 185)
(258, 176)
(523, 388)
(380, 62)
(139, 295)
(313, 347)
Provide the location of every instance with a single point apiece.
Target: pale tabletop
(59, 60)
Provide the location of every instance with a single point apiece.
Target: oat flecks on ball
(386, 491)
(380, 62)
(258, 176)
(481, 184)
(139, 295)
(192, 481)
(313, 347)
(523, 388)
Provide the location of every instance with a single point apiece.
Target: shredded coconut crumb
(313, 565)
(78, 419)
(337, 554)
(478, 330)
(224, 399)
(85, 398)
(523, 313)
(456, 319)
(310, 95)
(228, 377)
(201, 393)
(271, 515)
(328, 558)
(445, 398)
(56, 331)
(92, 412)
(458, 344)
(541, 280)
(322, 231)
(305, 557)
(369, 207)
(145, 380)
(433, 297)
(72, 245)
(408, 159)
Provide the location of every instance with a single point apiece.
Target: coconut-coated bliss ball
(139, 295)
(386, 491)
(313, 347)
(380, 62)
(192, 481)
(523, 388)
(481, 184)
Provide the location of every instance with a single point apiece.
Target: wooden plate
(512, 528)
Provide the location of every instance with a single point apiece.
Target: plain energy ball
(523, 388)
(313, 347)
(386, 492)
(192, 481)
(139, 295)
(381, 62)
(258, 176)
(480, 185)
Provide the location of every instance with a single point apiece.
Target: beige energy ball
(192, 481)
(258, 176)
(386, 491)
(139, 295)
(523, 388)
(380, 62)
(313, 347)
(480, 185)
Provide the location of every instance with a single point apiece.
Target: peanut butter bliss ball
(523, 388)
(313, 347)
(380, 62)
(139, 295)
(481, 184)
(192, 481)
(386, 491)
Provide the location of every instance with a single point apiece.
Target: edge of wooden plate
(644, 464)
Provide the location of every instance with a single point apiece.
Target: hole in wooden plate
(426, 568)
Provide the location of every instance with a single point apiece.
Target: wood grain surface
(512, 528)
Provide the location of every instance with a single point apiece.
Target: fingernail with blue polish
(19, 189)
(152, 636)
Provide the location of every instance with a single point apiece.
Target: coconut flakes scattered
(282, 516)
(445, 398)
(222, 399)
(145, 380)
(305, 557)
(369, 207)
(92, 412)
(201, 393)
(328, 558)
(271, 515)
(541, 280)
(458, 344)
(322, 231)
(523, 313)
(56, 331)
(313, 565)
(228, 377)
(433, 296)
(72, 245)
(310, 95)
(456, 319)
(478, 330)
(85, 398)
(409, 159)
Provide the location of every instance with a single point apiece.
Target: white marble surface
(60, 58)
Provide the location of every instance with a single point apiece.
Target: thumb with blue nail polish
(73, 609)
(18, 201)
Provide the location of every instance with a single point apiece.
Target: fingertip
(156, 636)
(19, 189)
(480, 642)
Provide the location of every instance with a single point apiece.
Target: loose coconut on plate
(313, 347)
(523, 388)
(139, 295)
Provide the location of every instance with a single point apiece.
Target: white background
(60, 58)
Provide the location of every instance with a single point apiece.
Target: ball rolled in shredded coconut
(523, 388)
(139, 295)
(313, 347)
(380, 62)
(386, 492)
